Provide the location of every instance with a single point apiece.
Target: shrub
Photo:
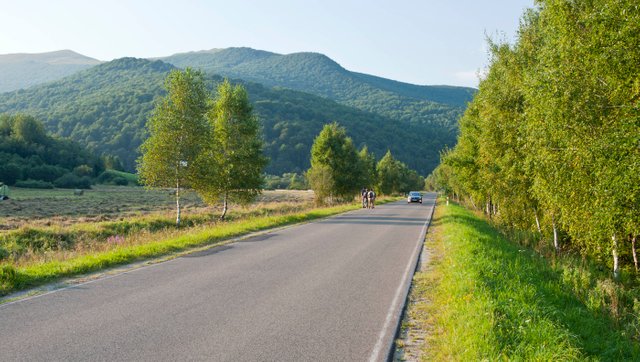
(34, 184)
(44, 172)
(7, 277)
(112, 177)
(10, 173)
(120, 181)
(70, 181)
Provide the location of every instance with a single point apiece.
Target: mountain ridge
(23, 70)
(106, 107)
(318, 74)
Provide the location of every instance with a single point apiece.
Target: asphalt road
(325, 291)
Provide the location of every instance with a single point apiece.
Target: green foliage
(321, 182)
(550, 142)
(288, 181)
(72, 181)
(113, 177)
(317, 74)
(231, 161)
(336, 169)
(34, 184)
(395, 177)
(105, 108)
(490, 299)
(370, 171)
(31, 157)
(178, 132)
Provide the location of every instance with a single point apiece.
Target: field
(53, 234)
(61, 207)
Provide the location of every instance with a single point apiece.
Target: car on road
(414, 196)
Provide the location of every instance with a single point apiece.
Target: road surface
(324, 291)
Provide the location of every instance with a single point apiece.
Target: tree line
(339, 171)
(551, 141)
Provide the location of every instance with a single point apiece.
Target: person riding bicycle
(363, 194)
(371, 196)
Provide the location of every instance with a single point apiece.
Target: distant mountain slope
(317, 74)
(19, 71)
(106, 107)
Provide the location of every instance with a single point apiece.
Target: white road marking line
(403, 287)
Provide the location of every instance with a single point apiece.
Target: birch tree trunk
(633, 251)
(614, 251)
(535, 212)
(224, 206)
(178, 203)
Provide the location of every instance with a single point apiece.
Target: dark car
(414, 196)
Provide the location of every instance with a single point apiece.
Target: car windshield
(414, 193)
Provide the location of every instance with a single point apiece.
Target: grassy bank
(482, 297)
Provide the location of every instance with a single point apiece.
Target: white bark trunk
(224, 207)
(614, 251)
(535, 211)
(178, 203)
(633, 250)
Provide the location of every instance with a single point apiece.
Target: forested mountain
(29, 157)
(317, 74)
(106, 107)
(19, 71)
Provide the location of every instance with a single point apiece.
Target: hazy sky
(417, 41)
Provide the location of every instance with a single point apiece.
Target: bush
(120, 181)
(8, 277)
(112, 177)
(47, 173)
(72, 181)
(10, 173)
(34, 184)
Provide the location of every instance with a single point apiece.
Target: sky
(424, 42)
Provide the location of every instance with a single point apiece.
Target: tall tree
(395, 177)
(370, 173)
(177, 131)
(232, 161)
(334, 160)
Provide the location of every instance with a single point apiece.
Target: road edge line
(403, 290)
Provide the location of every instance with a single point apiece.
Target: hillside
(29, 157)
(106, 107)
(20, 71)
(317, 74)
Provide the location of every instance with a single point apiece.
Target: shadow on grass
(526, 289)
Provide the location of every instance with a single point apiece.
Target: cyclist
(363, 194)
(371, 195)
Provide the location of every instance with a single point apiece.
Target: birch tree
(232, 161)
(177, 130)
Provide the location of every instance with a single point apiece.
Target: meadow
(61, 207)
(57, 235)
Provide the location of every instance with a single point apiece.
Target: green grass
(485, 298)
(14, 278)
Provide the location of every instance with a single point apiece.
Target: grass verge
(17, 278)
(482, 297)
